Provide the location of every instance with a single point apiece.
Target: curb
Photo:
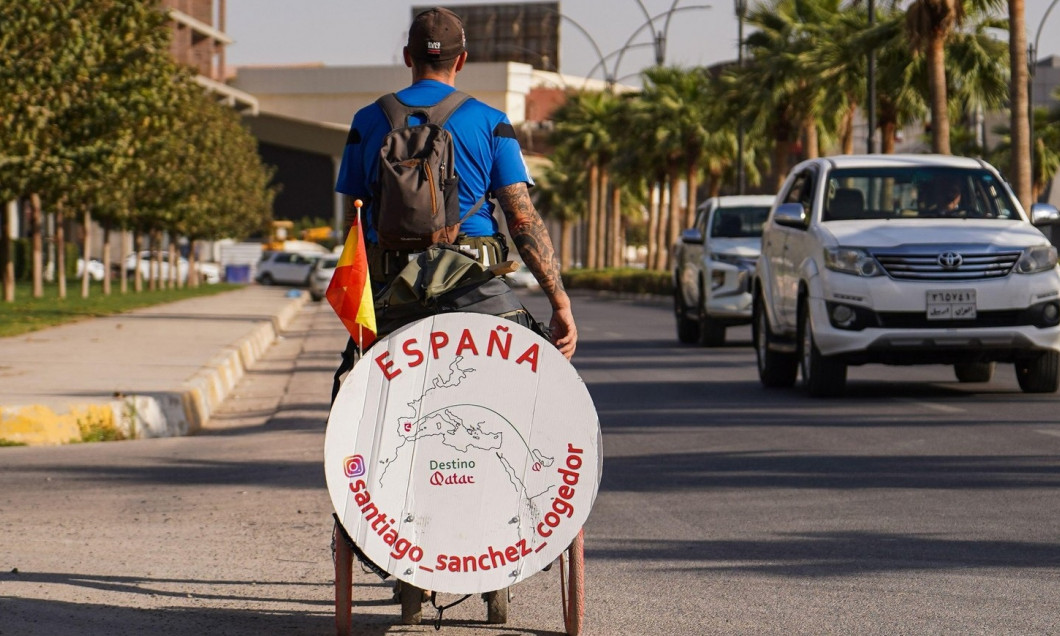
(147, 415)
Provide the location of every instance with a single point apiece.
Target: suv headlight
(849, 260)
(1036, 259)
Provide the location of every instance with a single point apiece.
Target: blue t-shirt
(487, 153)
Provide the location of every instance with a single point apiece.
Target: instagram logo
(354, 466)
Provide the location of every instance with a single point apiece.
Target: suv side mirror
(1044, 214)
(790, 215)
(692, 236)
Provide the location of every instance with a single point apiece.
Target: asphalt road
(915, 505)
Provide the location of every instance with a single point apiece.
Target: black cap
(436, 34)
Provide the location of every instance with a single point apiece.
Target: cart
(571, 576)
(466, 471)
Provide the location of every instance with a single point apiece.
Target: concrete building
(304, 114)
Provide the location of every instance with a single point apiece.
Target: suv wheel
(775, 369)
(974, 371)
(687, 329)
(1039, 374)
(266, 279)
(823, 376)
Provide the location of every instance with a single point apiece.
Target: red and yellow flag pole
(350, 290)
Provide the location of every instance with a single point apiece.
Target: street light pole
(741, 12)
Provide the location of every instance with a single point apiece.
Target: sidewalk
(154, 372)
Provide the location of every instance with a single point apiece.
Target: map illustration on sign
(463, 453)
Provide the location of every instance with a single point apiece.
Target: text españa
(498, 344)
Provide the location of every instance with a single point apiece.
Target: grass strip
(28, 314)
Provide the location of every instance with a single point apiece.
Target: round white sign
(463, 453)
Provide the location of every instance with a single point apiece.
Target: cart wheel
(572, 584)
(411, 604)
(343, 583)
(497, 606)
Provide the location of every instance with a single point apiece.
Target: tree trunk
(940, 118)
(781, 150)
(154, 260)
(60, 251)
(37, 241)
(654, 214)
(714, 188)
(175, 280)
(106, 258)
(1020, 166)
(812, 146)
(138, 275)
(86, 251)
(603, 227)
(592, 216)
(847, 132)
(887, 131)
(692, 178)
(616, 228)
(193, 276)
(675, 217)
(123, 280)
(7, 265)
(664, 223)
(566, 241)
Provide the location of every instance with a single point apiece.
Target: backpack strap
(397, 112)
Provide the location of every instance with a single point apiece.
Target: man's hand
(535, 247)
(564, 331)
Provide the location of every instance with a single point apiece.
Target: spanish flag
(350, 292)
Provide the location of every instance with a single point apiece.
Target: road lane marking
(1044, 431)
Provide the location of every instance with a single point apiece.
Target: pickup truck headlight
(1036, 259)
(741, 261)
(849, 260)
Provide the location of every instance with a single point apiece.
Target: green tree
(583, 134)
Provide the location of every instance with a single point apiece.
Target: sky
(372, 32)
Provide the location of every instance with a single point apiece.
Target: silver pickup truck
(713, 264)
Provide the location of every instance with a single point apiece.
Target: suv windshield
(739, 221)
(916, 193)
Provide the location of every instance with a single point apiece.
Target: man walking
(488, 161)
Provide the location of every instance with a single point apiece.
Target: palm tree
(558, 195)
(1046, 149)
(780, 82)
(930, 24)
(582, 132)
(1020, 165)
(841, 55)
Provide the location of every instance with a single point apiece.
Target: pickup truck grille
(929, 265)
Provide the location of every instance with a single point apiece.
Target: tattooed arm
(535, 247)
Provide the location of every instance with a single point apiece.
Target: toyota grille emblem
(950, 260)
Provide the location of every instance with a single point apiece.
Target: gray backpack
(416, 203)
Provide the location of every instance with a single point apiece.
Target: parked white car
(320, 276)
(285, 268)
(208, 272)
(916, 259)
(146, 264)
(713, 263)
(96, 270)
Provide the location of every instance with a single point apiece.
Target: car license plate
(951, 304)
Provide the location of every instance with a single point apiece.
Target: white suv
(713, 263)
(917, 259)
